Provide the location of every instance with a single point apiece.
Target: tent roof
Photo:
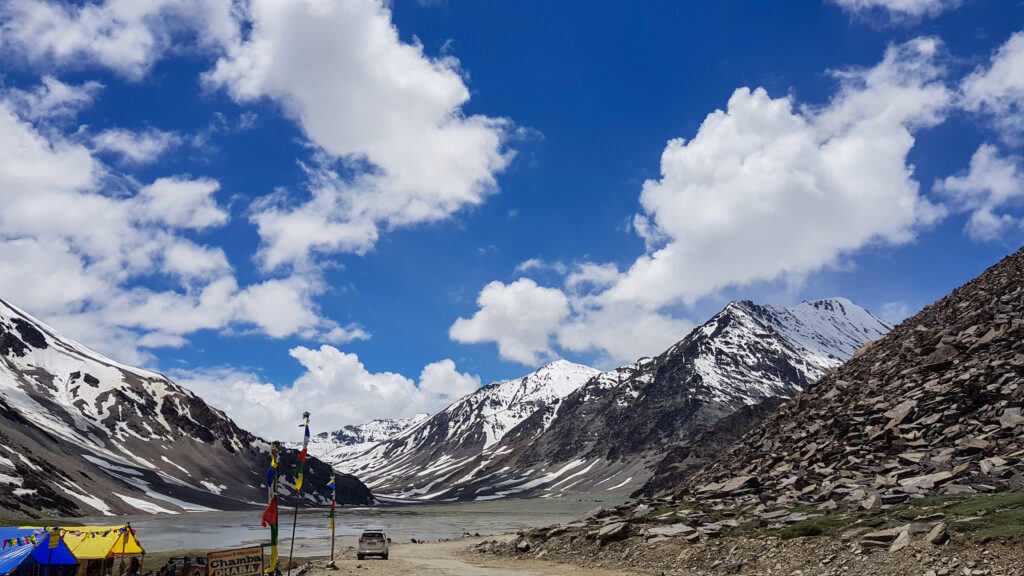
(94, 542)
(12, 556)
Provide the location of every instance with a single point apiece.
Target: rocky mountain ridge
(81, 434)
(933, 407)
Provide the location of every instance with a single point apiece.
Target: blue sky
(373, 209)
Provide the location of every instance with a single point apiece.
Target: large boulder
(614, 532)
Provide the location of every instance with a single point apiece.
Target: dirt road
(451, 559)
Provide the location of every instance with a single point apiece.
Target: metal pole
(295, 514)
(333, 519)
(291, 547)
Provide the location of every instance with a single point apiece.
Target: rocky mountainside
(600, 431)
(352, 440)
(683, 459)
(81, 434)
(933, 407)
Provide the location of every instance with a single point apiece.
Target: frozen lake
(219, 530)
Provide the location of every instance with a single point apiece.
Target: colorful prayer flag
(270, 514)
(303, 453)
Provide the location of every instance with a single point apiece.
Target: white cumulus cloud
(619, 332)
(182, 202)
(53, 99)
(898, 10)
(396, 147)
(336, 388)
(143, 147)
(84, 267)
(767, 190)
(998, 89)
(991, 186)
(127, 36)
(520, 317)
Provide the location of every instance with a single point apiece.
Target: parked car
(373, 543)
(185, 566)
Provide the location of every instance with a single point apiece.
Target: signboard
(238, 562)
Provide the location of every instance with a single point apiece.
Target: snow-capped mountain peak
(500, 406)
(469, 430)
(748, 352)
(832, 328)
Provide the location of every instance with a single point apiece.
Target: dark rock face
(685, 458)
(10, 344)
(74, 442)
(935, 407)
(30, 335)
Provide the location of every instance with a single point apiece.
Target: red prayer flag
(302, 455)
(270, 514)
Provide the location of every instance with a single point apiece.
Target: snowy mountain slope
(749, 352)
(464, 436)
(87, 435)
(351, 440)
(611, 431)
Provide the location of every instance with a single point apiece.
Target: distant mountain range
(352, 440)
(84, 435)
(567, 427)
(465, 436)
(81, 434)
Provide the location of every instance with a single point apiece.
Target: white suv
(373, 543)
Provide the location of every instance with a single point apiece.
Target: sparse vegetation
(827, 524)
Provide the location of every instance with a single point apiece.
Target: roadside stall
(27, 552)
(96, 547)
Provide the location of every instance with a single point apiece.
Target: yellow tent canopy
(97, 542)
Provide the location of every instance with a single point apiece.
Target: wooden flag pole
(298, 488)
